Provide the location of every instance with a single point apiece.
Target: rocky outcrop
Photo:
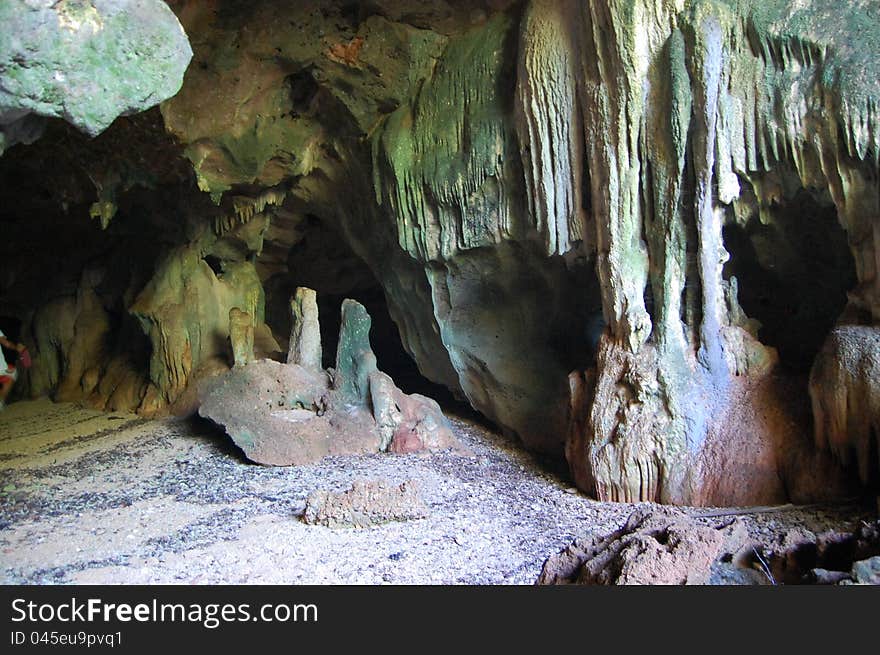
(287, 414)
(664, 116)
(185, 311)
(654, 547)
(681, 129)
(277, 414)
(666, 546)
(86, 62)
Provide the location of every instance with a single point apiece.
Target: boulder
(305, 331)
(408, 423)
(278, 415)
(367, 503)
(287, 414)
(86, 62)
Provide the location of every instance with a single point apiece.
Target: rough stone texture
(86, 62)
(185, 311)
(241, 336)
(654, 547)
(305, 331)
(277, 414)
(355, 360)
(671, 88)
(285, 414)
(408, 423)
(540, 189)
(867, 571)
(667, 546)
(845, 392)
(367, 503)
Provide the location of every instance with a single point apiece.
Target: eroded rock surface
(619, 230)
(654, 547)
(286, 414)
(665, 546)
(845, 392)
(367, 503)
(305, 331)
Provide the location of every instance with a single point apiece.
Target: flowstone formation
(699, 116)
(845, 390)
(85, 62)
(291, 414)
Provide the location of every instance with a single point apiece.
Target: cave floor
(95, 498)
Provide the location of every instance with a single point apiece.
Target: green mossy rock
(354, 356)
(88, 62)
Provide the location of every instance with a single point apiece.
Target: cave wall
(548, 193)
(121, 309)
(85, 62)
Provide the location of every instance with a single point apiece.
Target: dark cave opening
(585, 317)
(127, 340)
(302, 88)
(391, 356)
(11, 328)
(321, 260)
(215, 263)
(793, 273)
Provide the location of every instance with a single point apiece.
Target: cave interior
(651, 264)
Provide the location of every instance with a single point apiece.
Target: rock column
(241, 335)
(354, 357)
(305, 331)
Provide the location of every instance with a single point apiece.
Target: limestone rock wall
(643, 129)
(549, 193)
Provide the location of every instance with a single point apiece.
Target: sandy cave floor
(99, 498)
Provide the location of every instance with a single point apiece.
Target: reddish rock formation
(286, 414)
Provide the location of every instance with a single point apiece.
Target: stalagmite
(305, 331)
(619, 230)
(241, 336)
(355, 360)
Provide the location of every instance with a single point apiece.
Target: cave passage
(322, 261)
(793, 273)
(391, 356)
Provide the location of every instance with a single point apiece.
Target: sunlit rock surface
(86, 62)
